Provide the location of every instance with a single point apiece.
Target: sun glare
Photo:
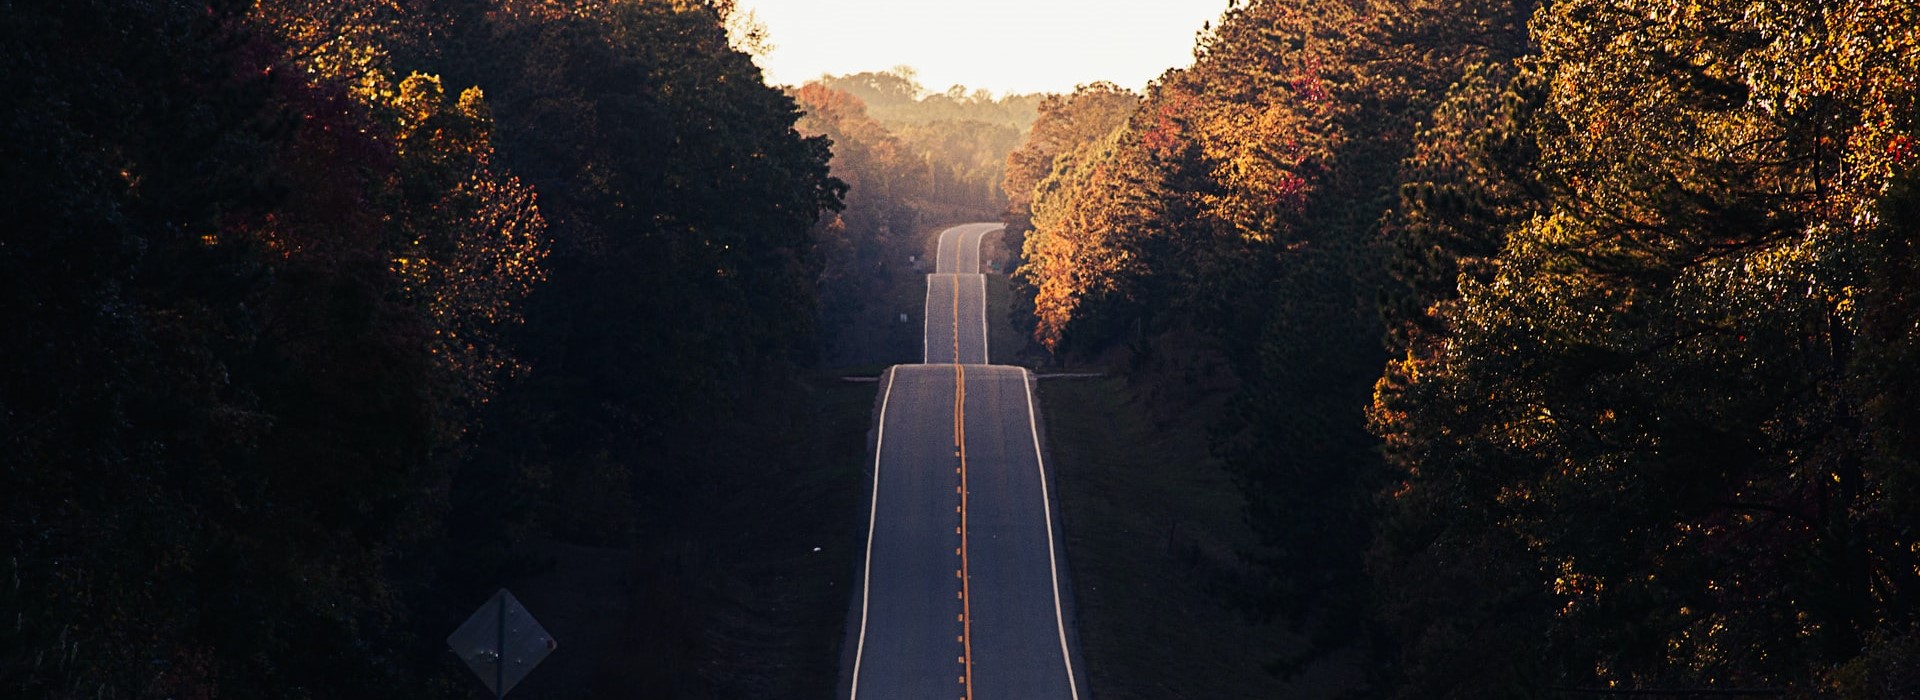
(1001, 45)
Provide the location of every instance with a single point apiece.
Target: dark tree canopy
(314, 308)
(1635, 264)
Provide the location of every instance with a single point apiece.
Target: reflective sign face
(501, 642)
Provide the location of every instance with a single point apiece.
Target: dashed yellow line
(960, 441)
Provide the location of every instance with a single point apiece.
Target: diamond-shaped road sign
(501, 643)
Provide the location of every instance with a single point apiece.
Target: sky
(1000, 45)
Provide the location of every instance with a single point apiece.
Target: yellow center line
(957, 319)
(960, 441)
(966, 574)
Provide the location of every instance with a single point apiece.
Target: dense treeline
(1643, 272)
(1071, 130)
(896, 97)
(315, 309)
(1665, 376)
(865, 249)
(959, 138)
(912, 160)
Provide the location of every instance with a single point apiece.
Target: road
(959, 248)
(956, 314)
(961, 592)
(956, 320)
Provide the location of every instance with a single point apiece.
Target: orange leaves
(1253, 129)
(866, 155)
(1064, 123)
(420, 98)
(1797, 104)
(1163, 133)
(1089, 216)
(1050, 267)
(1267, 106)
(474, 237)
(827, 105)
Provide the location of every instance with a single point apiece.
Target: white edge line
(873, 516)
(940, 249)
(1053, 565)
(974, 251)
(926, 316)
(986, 350)
(977, 240)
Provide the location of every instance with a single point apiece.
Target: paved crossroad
(960, 593)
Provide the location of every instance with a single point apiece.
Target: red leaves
(1288, 193)
(1165, 135)
(1309, 85)
(829, 105)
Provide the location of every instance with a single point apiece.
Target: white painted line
(985, 349)
(926, 313)
(973, 252)
(1053, 565)
(866, 574)
(984, 234)
(978, 237)
(942, 259)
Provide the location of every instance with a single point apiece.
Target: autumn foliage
(1643, 424)
(912, 160)
(289, 288)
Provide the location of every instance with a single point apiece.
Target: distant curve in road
(961, 586)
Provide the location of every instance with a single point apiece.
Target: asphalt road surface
(960, 593)
(959, 248)
(956, 319)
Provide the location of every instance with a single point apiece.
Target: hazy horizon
(1067, 42)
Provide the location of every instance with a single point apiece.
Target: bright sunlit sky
(1001, 45)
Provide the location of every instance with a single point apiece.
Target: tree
(1632, 427)
(864, 247)
(272, 408)
(1065, 122)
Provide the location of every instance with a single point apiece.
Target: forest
(1560, 348)
(1568, 347)
(319, 312)
(912, 159)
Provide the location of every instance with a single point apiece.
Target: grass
(1154, 534)
(1154, 540)
(787, 576)
(746, 599)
